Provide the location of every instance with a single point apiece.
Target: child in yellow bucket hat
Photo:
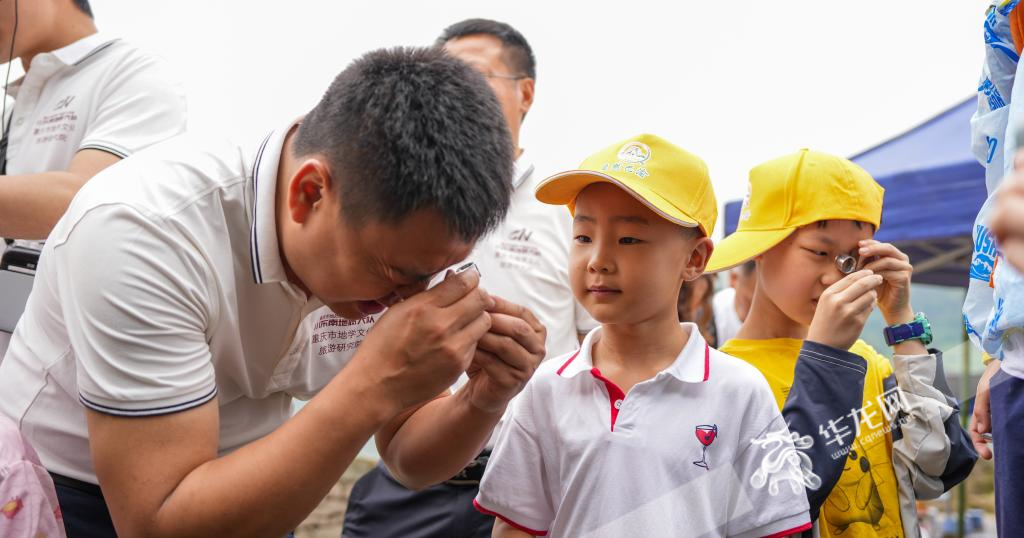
(645, 430)
(877, 434)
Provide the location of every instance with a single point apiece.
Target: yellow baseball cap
(671, 181)
(792, 191)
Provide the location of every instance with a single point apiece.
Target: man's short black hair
(405, 129)
(518, 54)
(83, 6)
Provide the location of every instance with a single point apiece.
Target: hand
(843, 309)
(1007, 221)
(506, 357)
(895, 269)
(419, 347)
(981, 419)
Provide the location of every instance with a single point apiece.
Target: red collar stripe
(707, 361)
(568, 362)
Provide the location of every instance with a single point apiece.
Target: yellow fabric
(863, 504)
(792, 191)
(671, 181)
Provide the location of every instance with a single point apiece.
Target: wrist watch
(919, 329)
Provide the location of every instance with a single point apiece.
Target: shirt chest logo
(706, 434)
(65, 102)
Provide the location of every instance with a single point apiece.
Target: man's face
(627, 263)
(795, 272)
(359, 270)
(486, 54)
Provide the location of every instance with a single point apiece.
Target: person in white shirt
(732, 304)
(86, 101)
(160, 348)
(525, 260)
(645, 430)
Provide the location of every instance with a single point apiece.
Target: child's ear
(699, 256)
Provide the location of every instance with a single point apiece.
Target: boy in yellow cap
(882, 434)
(646, 430)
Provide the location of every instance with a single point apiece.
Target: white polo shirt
(526, 260)
(160, 288)
(96, 93)
(581, 459)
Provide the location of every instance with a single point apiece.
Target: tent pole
(965, 390)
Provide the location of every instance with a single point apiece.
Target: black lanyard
(3, 143)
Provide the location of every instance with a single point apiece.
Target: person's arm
(161, 475)
(137, 323)
(431, 443)
(142, 104)
(31, 204)
(171, 482)
(928, 441)
(504, 530)
(828, 381)
(929, 445)
(981, 419)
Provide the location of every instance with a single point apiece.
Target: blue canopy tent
(934, 188)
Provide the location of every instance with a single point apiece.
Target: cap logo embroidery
(634, 152)
(745, 210)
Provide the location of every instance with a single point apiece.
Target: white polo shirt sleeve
(770, 499)
(139, 107)
(514, 487)
(135, 296)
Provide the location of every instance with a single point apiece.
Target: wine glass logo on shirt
(706, 434)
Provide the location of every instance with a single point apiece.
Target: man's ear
(306, 189)
(526, 88)
(699, 256)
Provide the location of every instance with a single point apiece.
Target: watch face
(900, 333)
(905, 332)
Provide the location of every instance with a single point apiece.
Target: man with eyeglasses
(525, 260)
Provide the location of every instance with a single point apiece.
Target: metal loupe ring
(846, 264)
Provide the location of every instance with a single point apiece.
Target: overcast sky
(735, 82)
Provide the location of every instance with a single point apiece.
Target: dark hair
(410, 128)
(518, 54)
(704, 313)
(747, 267)
(824, 224)
(83, 6)
(691, 232)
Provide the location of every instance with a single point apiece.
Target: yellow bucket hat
(671, 181)
(792, 191)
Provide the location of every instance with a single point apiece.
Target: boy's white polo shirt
(96, 93)
(579, 458)
(161, 288)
